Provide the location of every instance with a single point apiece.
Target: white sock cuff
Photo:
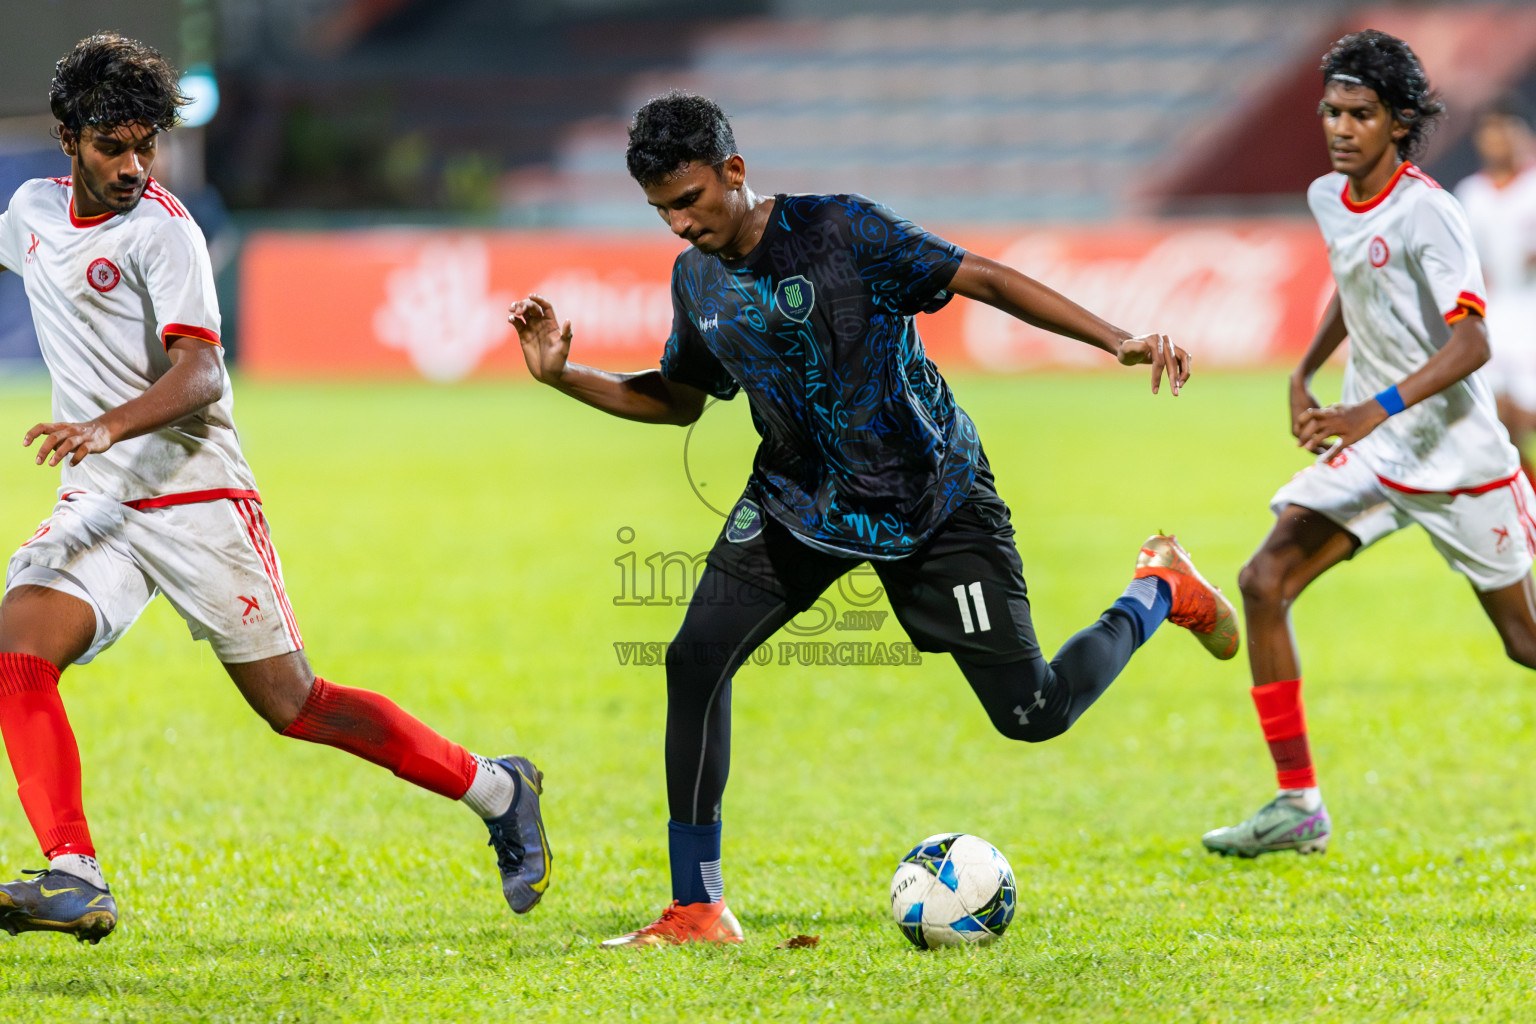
(490, 794)
(85, 868)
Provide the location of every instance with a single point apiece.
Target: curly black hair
(108, 81)
(1388, 65)
(672, 131)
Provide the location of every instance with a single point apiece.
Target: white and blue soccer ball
(953, 890)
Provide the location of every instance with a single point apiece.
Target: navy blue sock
(695, 851)
(1147, 601)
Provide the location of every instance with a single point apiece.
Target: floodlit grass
(461, 549)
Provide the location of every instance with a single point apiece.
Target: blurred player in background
(1500, 201)
(806, 302)
(156, 497)
(1419, 439)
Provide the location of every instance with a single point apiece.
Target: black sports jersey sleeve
(905, 268)
(687, 359)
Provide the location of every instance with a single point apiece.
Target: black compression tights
(1034, 699)
(1029, 699)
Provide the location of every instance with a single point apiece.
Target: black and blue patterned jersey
(864, 451)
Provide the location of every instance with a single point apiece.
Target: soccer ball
(953, 890)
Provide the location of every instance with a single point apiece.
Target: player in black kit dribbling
(807, 302)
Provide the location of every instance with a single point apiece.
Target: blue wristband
(1391, 401)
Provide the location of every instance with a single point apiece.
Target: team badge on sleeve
(795, 297)
(102, 275)
(746, 522)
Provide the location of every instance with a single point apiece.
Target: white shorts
(213, 560)
(1486, 534)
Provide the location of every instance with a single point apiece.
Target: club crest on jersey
(102, 275)
(795, 297)
(745, 522)
(1378, 252)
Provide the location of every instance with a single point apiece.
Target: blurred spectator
(1500, 201)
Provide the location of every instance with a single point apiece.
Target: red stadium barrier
(433, 303)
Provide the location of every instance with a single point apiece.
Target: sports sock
(695, 854)
(81, 866)
(1147, 601)
(1309, 799)
(491, 791)
(43, 754)
(1284, 722)
(374, 728)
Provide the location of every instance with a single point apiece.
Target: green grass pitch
(461, 549)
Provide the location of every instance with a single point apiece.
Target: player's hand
(73, 441)
(1348, 423)
(546, 342)
(1302, 401)
(1164, 356)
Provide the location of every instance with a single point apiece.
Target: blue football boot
(522, 851)
(55, 901)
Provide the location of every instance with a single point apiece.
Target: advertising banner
(433, 303)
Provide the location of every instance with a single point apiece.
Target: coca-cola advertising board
(433, 303)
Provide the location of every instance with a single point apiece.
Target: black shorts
(962, 592)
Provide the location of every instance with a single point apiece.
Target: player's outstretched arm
(646, 396)
(1466, 350)
(1027, 299)
(194, 381)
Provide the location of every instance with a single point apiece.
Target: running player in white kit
(1419, 440)
(157, 498)
(1500, 201)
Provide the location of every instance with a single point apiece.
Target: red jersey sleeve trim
(170, 331)
(193, 498)
(1466, 305)
(1380, 197)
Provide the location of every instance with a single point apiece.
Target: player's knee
(1521, 650)
(1029, 726)
(1262, 581)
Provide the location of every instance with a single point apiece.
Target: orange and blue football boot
(684, 922)
(1197, 605)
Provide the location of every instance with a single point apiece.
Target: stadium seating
(962, 117)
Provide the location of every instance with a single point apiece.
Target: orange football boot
(684, 922)
(1197, 606)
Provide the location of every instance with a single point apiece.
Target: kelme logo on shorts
(746, 522)
(795, 297)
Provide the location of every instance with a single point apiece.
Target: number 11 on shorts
(982, 623)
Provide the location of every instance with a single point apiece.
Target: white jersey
(108, 294)
(1503, 220)
(1406, 270)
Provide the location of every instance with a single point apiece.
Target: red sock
(374, 728)
(1285, 729)
(43, 754)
